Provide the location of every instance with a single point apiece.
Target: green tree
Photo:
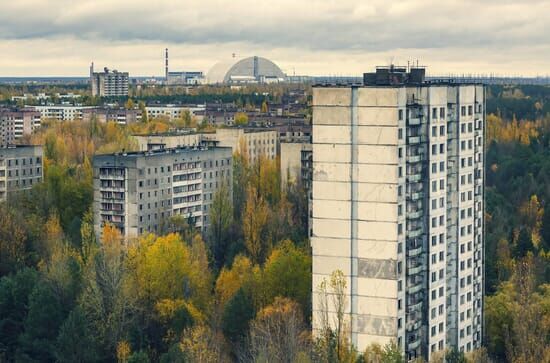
(221, 217)
(139, 357)
(524, 243)
(287, 273)
(238, 313)
(46, 314)
(75, 342)
(14, 306)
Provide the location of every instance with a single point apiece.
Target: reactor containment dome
(247, 70)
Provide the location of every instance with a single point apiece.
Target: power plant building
(248, 70)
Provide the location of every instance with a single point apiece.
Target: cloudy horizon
(316, 37)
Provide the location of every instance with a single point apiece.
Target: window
(463, 110)
(400, 115)
(442, 113)
(434, 113)
(400, 134)
(441, 130)
(434, 131)
(470, 110)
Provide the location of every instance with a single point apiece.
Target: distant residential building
(138, 192)
(20, 169)
(173, 112)
(16, 122)
(296, 162)
(108, 83)
(253, 141)
(398, 207)
(169, 140)
(61, 112)
(121, 116)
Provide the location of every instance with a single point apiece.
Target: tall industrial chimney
(166, 65)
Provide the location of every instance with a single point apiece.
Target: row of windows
(440, 329)
(441, 277)
(441, 167)
(435, 221)
(441, 203)
(439, 311)
(441, 185)
(24, 182)
(439, 291)
(441, 239)
(24, 161)
(435, 148)
(23, 172)
(441, 257)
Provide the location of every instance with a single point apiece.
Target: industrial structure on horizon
(181, 77)
(398, 207)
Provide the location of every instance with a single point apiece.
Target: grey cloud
(314, 25)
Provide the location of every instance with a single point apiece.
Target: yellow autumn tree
(254, 224)
(532, 213)
(230, 280)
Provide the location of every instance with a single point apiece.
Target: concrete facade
(296, 159)
(253, 142)
(398, 208)
(168, 140)
(21, 167)
(61, 112)
(137, 192)
(14, 123)
(121, 116)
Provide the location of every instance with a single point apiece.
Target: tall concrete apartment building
(20, 169)
(137, 192)
(108, 83)
(14, 123)
(398, 207)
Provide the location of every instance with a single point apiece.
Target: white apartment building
(138, 192)
(172, 112)
(398, 207)
(61, 112)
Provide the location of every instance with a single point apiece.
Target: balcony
(415, 269)
(415, 232)
(414, 121)
(414, 344)
(413, 290)
(414, 159)
(414, 140)
(416, 214)
(413, 326)
(416, 196)
(414, 178)
(412, 252)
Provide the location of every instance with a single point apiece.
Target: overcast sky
(313, 37)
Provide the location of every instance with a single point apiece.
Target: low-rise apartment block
(20, 169)
(60, 112)
(14, 123)
(255, 142)
(121, 116)
(138, 192)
